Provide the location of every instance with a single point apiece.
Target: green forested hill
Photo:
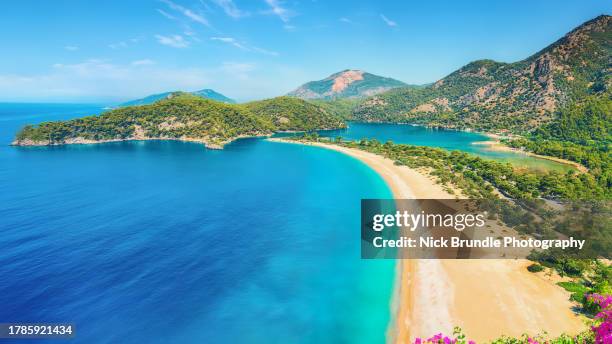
(581, 132)
(288, 113)
(587, 121)
(520, 96)
(342, 108)
(183, 117)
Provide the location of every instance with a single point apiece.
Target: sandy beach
(487, 298)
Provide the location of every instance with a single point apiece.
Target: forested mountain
(205, 93)
(184, 117)
(346, 84)
(581, 132)
(585, 122)
(293, 114)
(518, 96)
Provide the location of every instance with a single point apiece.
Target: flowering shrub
(457, 338)
(600, 333)
(603, 325)
(583, 338)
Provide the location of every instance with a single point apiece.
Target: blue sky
(106, 51)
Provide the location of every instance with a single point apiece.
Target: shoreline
(496, 145)
(216, 146)
(433, 296)
(83, 141)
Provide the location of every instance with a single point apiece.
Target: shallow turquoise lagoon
(442, 138)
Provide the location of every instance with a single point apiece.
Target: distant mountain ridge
(348, 83)
(520, 96)
(204, 93)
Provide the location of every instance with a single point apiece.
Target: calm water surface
(156, 242)
(447, 139)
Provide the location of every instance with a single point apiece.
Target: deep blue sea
(168, 242)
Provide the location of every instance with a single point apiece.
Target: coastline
(495, 144)
(433, 296)
(219, 145)
(83, 141)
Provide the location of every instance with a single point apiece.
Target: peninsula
(184, 117)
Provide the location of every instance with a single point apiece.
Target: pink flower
(603, 331)
(440, 339)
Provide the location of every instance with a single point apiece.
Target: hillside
(346, 84)
(183, 117)
(292, 114)
(205, 93)
(581, 132)
(520, 96)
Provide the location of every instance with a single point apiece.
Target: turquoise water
(447, 139)
(156, 242)
(167, 242)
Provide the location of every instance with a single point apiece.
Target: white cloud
(166, 14)
(231, 9)
(388, 21)
(192, 35)
(230, 41)
(264, 51)
(97, 80)
(71, 48)
(124, 44)
(175, 41)
(118, 45)
(243, 46)
(143, 62)
(345, 20)
(196, 17)
(277, 9)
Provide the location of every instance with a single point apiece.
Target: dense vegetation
(288, 113)
(488, 95)
(184, 117)
(343, 107)
(582, 132)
